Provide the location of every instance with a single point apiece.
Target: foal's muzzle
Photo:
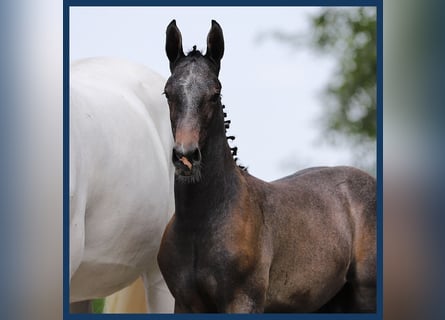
(186, 160)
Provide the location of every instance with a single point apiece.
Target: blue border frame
(66, 60)
(66, 163)
(380, 158)
(223, 3)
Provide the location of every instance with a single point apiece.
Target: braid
(233, 150)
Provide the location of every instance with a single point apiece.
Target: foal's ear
(215, 43)
(173, 44)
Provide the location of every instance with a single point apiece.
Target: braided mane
(234, 149)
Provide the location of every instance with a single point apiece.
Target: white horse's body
(121, 179)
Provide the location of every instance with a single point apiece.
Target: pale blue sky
(273, 94)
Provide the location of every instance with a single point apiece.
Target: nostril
(177, 154)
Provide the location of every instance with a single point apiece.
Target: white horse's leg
(128, 300)
(159, 298)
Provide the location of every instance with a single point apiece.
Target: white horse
(121, 179)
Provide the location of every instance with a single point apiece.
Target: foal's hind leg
(351, 298)
(362, 274)
(359, 292)
(364, 298)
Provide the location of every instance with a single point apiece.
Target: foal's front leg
(250, 296)
(247, 294)
(180, 308)
(245, 303)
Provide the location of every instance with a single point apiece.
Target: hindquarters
(360, 291)
(324, 229)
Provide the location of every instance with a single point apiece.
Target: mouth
(186, 170)
(186, 162)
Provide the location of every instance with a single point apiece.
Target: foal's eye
(166, 95)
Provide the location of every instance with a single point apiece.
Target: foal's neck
(219, 177)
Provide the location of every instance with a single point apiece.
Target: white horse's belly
(120, 144)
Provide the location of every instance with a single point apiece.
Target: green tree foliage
(349, 35)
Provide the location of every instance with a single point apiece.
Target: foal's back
(321, 222)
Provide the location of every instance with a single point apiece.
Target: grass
(98, 305)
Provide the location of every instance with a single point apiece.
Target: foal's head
(193, 92)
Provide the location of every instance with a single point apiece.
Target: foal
(303, 243)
